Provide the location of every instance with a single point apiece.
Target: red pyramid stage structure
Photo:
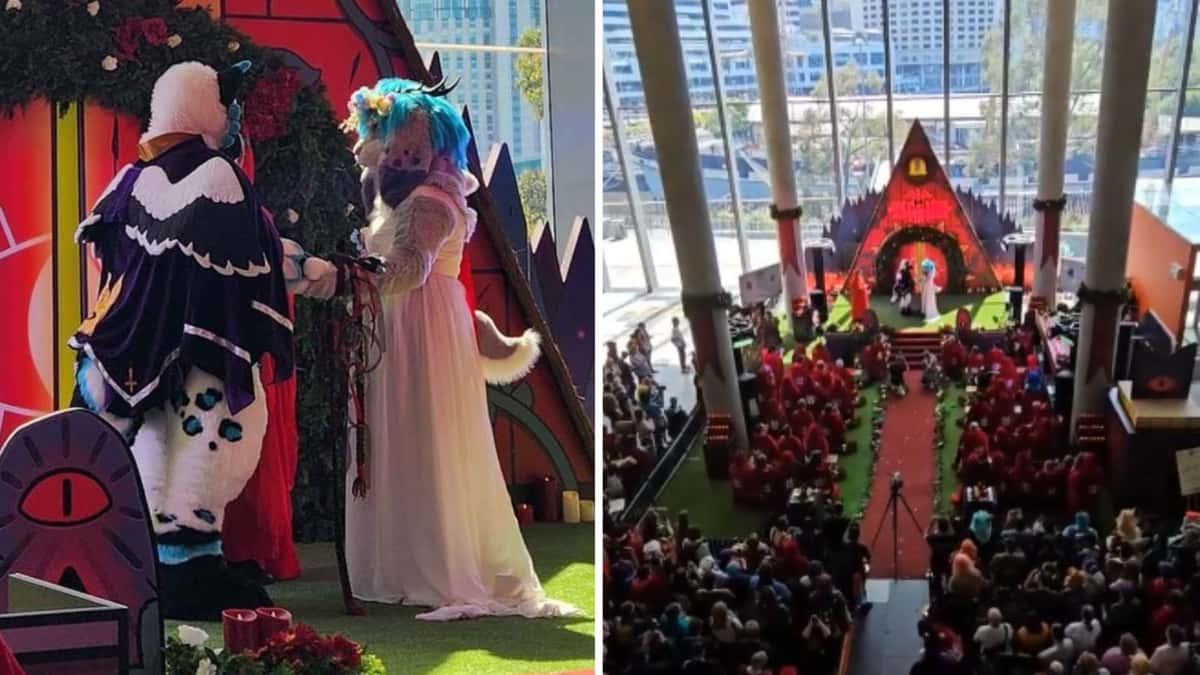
(919, 216)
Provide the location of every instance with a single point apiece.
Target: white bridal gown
(437, 527)
(929, 293)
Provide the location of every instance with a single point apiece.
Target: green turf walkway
(987, 312)
(564, 560)
(953, 410)
(710, 504)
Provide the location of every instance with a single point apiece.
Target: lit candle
(240, 628)
(271, 622)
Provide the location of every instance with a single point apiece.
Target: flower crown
(367, 104)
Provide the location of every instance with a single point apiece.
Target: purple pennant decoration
(501, 181)
(573, 323)
(547, 271)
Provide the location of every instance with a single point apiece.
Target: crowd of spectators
(640, 419)
(777, 602)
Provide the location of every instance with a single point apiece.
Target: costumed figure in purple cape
(192, 296)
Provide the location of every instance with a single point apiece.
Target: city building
(488, 87)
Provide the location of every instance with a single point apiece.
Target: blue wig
(927, 266)
(448, 133)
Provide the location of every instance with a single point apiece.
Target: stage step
(913, 345)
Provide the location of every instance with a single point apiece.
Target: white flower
(174, 41)
(93, 7)
(109, 63)
(292, 216)
(233, 46)
(206, 667)
(192, 636)
(13, 5)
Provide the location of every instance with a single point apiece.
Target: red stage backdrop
(57, 166)
(920, 209)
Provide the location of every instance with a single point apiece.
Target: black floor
(886, 641)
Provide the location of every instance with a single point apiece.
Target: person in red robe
(791, 443)
(816, 438)
(1083, 483)
(820, 354)
(800, 419)
(836, 426)
(1021, 477)
(860, 296)
(762, 441)
(1049, 482)
(841, 396)
(973, 437)
(975, 468)
(765, 385)
(995, 356)
(954, 357)
(773, 359)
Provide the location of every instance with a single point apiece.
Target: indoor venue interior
(899, 325)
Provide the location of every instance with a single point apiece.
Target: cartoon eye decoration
(1161, 383)
(65, 498)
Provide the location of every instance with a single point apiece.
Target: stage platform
(886, 640)
(988, 312)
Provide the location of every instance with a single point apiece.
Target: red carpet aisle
(907, 447)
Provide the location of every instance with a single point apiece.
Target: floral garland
(956, 274)
(878, 411)
(110, 53)
(299, 650)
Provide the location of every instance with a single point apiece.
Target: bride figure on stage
(436, 527)
(929, 291)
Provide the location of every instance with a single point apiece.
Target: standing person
(929, 291)
(642, 337)
(680, 344)
(896, 369)
(903, 290)
(860, 296)
(432, 524)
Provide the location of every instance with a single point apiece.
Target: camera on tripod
(897, 482)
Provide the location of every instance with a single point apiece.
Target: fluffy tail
(505, 359)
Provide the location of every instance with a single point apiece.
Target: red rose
(155, 31)
(126, 39)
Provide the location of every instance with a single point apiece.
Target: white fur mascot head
(192, 98)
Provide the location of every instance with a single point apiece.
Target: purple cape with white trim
(191, 277)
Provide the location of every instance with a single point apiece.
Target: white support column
(660, 58)
(1052, 146)
(772, 87)
(1128, 38)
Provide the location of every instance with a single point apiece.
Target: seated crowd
(1010, 445)
(806, 409)
(1034, 597)
(778, 602)
(638, 424)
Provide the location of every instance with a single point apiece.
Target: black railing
(674, 456)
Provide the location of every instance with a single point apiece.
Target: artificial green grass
(710, 504)
(564, 560)
(952, 411)
(987, 312)
(858, 465)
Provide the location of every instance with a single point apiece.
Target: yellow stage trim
(1156, 414)
(68, 294)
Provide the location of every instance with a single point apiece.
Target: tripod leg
(891, 504)
(911, 513)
